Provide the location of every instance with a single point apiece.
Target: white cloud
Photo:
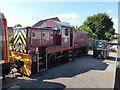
(69, 15)
(115, 21)
(109, 11)
(12, 22)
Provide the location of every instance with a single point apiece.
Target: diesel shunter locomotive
(44, 46)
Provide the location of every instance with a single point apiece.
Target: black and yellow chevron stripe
(20, 40)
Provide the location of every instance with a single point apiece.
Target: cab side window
(65, 31)
(56, 27)
(44, 25)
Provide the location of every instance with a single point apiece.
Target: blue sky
(75, 13)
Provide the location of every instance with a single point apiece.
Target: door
(65, 37)
(45, 38)
(36, 38)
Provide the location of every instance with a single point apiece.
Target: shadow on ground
(70, 69)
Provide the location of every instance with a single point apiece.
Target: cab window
(65, 31)
(44, 25)
(56, 27)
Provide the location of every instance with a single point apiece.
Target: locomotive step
(41, 63)
(59, 56)
(42, 70)
(70, 59)
(70, 55)
(70, 51)
(40, 58)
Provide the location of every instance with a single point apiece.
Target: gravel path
(84, 72)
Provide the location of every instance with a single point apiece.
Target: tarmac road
(84, 72)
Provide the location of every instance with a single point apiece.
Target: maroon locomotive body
(50, 43)
(57, 37)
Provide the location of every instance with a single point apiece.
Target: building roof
(42, 21)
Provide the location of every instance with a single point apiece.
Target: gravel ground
(84, 72)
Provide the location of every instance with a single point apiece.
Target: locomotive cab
(64, 32)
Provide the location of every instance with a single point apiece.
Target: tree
(18, 25)
(11, 39)
(76, 28)
(91, 35)
(101, 25)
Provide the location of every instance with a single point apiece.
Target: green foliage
(83, 28)
(91, 35)
(11, 39)
(76, 28)
(101, 25)
(107, 34)
(18, 25)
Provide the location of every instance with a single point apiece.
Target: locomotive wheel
(64, 59)
(52, 60)
(34, 64)
(85, 51)
(79, 53)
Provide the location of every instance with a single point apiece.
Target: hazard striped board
(20, 40)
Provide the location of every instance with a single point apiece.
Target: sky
(28, 13)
